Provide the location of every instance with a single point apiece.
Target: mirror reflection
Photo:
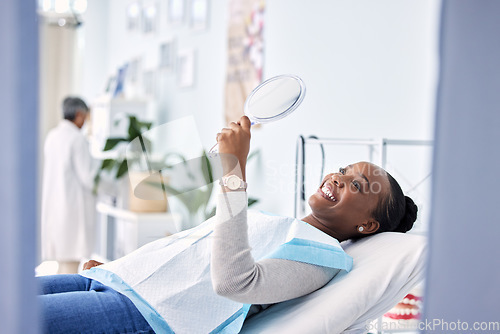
(275, 98)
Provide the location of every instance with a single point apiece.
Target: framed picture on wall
(167, 55)
(150, 18)
(185, 68)
(176, 9)
(133, 16)
(198, 18)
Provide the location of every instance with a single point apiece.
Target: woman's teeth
(327, 192)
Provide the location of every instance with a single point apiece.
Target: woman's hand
(91, 264)
(234, 141)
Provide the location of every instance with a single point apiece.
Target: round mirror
(275, 98)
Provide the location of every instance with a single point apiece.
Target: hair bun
(409, 217)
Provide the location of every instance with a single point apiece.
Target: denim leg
(99, 310)
(62, 283)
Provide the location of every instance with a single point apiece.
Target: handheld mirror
(270, 101)
(273, 99)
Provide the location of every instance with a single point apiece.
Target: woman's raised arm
(235, 273)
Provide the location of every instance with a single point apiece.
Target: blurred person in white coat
(68, 204)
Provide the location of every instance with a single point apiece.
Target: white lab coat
(68, 205)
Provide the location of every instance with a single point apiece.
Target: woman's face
(345, 200)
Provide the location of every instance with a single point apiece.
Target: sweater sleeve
(237, 276)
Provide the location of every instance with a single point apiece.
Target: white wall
(95, 49)
(369, 67)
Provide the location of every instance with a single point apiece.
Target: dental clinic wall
(370, 68)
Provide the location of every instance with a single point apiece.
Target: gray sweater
(237, 276)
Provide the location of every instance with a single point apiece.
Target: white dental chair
(386, 267)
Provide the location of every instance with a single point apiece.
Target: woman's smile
(326, 191)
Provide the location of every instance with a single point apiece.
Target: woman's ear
(369, 227)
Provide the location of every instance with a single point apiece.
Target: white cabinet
(131, 230)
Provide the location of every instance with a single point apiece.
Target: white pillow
(386, 267)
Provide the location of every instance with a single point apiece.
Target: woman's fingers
(234, 144)
(235, 138)
(224, 131)
(234, 126)
(234, 134)
(245, 123)
(91, 264)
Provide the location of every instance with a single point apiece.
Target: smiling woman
(360, 200)
(213, 277)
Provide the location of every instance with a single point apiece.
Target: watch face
(233, 182)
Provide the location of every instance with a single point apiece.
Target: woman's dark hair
(396, 212)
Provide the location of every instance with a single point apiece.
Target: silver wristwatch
(233, 182)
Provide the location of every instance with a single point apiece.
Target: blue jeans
(76, 304)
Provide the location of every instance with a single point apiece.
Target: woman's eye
(342, 170)
(357, 185)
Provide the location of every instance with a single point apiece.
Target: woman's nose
(337, 180)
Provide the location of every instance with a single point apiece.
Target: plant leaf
(181, 195)
(206, 168)
(97, 179)
(168, 188)
(187, 164)
(211, 213)
(108, 164)
(122, 169)
(134, 129)
(112, 142)
(191, 201)
(146, 125)
(252, 201)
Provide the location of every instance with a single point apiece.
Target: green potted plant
(119, 165)
(196, 202)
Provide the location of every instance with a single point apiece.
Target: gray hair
(71, 105)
